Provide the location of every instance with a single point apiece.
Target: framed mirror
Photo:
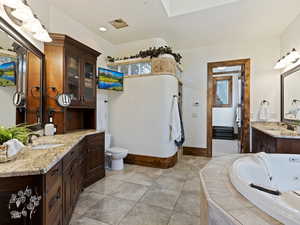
(21, 79)
(222, 91)
(290, 96)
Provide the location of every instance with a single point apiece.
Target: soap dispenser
(50, 129)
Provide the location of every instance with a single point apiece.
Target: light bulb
(43, 36)
(280, 64)
(293, 56)
(33, 26)
(23, 13)
(12, 3)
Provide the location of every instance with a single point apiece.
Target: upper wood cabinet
(71, 69)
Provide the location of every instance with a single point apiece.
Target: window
(222, 91)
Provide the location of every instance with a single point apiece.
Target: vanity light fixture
(33, 25)
(29, 22)
(43, 36)
(293, 56)
(287, 60)
(103, 29)
(12, 3)
(23, 13)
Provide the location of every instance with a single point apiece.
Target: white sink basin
(45, 146)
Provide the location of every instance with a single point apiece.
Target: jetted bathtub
(272, 183)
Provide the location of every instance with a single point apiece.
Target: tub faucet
(294, 160)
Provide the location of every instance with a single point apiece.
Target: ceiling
(232, 21)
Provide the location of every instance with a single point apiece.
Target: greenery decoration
(152, 52)
(20, 133)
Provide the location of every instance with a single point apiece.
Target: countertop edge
(51, 165)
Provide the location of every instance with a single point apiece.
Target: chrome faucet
(30, 136)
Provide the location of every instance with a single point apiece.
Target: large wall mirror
(21, 79)
(290, 96)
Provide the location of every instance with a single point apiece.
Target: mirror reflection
(20, 83)
(292, 96)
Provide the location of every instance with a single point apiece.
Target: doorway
(228, 107)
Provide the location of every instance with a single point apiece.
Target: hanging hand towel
(264, 112)
(175, 122)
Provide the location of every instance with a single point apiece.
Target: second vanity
(274, 138)
(57, 169)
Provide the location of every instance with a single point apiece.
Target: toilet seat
(116, 150)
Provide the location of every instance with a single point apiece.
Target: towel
(264, 112)
(103, 113)
(14, 147)
(175, 122)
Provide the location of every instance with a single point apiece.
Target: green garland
(152, 52)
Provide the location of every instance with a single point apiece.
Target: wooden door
(88, 81)
(73, 76)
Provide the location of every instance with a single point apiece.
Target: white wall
(225, 116)
(265, 82)
(140, 116)
(290, 38)
(132, 48)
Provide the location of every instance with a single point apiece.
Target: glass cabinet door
(73, 77)
(89, 83)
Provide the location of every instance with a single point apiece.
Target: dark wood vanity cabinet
(71, 69)
(262, 142)
(81, 167)
(95, 167)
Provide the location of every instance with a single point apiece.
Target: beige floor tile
(143, 214)
(192, 185)
(169, 183)
(105, 186)
(184, 219)
(110, 210)
(140, 178)
(161, 197)
(130, 191)
(188, 203)
(86, 221)
(86, 201)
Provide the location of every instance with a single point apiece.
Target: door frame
(245, 139)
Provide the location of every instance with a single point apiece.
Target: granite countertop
(275, 130)
(35, 162)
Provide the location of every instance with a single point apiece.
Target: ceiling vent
(118, 23)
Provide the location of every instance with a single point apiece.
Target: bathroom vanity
(274, 138)
(58, 174)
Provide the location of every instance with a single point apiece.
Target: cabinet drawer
(54, 176)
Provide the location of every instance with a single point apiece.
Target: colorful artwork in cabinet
(110, 80)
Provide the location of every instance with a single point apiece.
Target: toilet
(116, 154)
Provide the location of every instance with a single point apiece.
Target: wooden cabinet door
(88, 81)
(67, 195)
(95, 169)
(73, 75)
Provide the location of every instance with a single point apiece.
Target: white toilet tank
(107, 140)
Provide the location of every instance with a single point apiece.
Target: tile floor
(144, 196)
(224, 147)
